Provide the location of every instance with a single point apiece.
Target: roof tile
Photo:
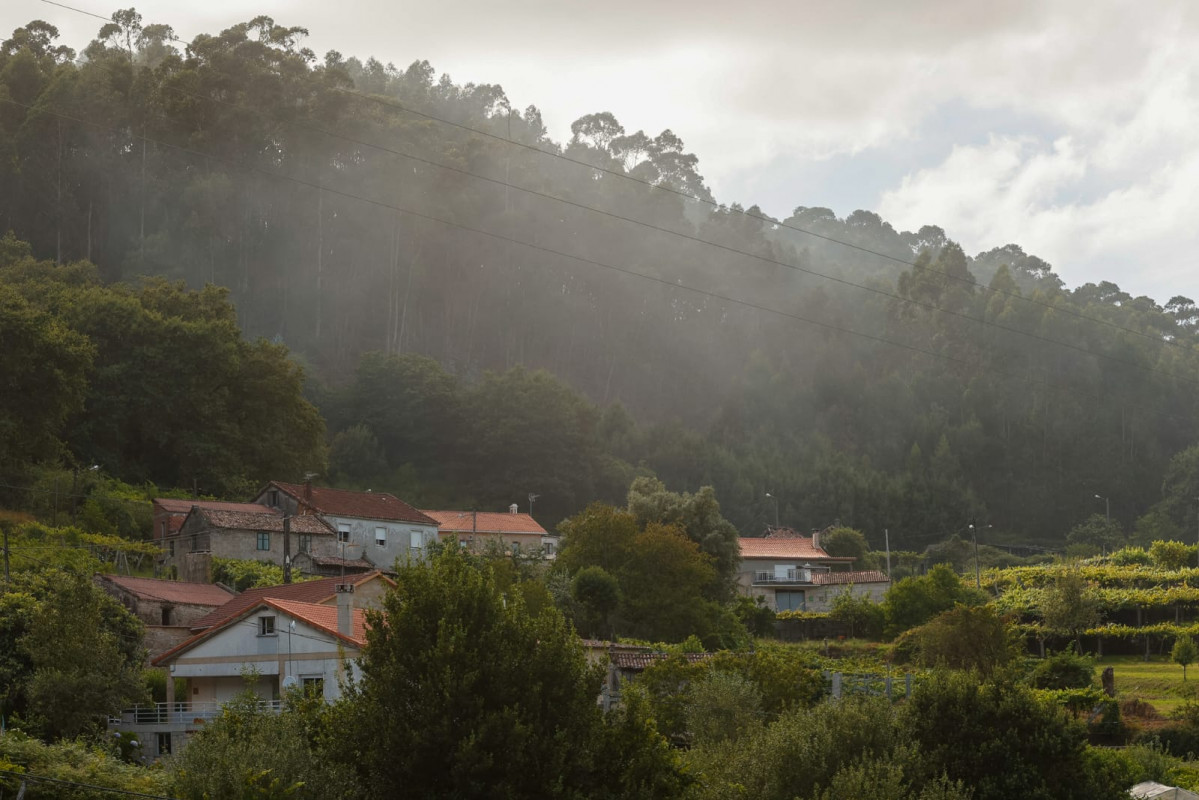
(484, 522)
(316, 591)
(347, 503)
(837, 578)
(196, 594)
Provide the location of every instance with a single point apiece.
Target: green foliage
(965, 638)
(1184, 653)
(1097, 533)
(753, 613)
(1170, 555)
(253, 752)
(240, 575)
(85, 653)
(860, 614)
(1065, 670)
(597, 597)
(963, 729)
(1070, 605)
(664, 578)
(914, 601)
(464, 691)
(723, 705)
(1128, 556)
(77, 761)
(847, 542)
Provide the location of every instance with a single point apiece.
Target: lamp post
(776, 509)
(1107, 507)
(978, 584)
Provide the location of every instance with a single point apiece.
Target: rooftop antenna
(532, 500)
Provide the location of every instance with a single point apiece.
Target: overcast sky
(1070, 128)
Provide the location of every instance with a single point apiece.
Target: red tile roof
(271, 520)
(314, 614)
(346, 503)
(325, 617)
(484, 522)
(195, 594)
(636, 662)
(317, 591)
(797, 547)
(174, 506)
(837, 578)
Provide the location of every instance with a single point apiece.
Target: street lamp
(1107, 506)
(776, 509)
(978, 584)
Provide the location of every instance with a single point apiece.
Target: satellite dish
(290, 682)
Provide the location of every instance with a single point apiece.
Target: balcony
(791, 576)
(177, 713)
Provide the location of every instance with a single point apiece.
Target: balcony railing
(791, 576)
(177, 713)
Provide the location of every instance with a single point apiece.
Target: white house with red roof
(372, 526)
(307, 635)
(513, 529)
(792, 572)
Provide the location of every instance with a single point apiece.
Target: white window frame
(343, 532)
(380, 536)
(416, 540)
(266, 625)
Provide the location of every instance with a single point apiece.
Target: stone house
(376, 527)
(246, 535)
(791, 572)
(167, 608)
(476, 529)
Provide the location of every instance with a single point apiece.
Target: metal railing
(792, 576)
(178, 713)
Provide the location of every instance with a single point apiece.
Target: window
(313, 686)
(343, 532)
(264, 540)
(164, 744)
(274, 498)
(266, 626)
(416, 540)
(166, 615)
(305, 542)
(171, 548)
(381, 537)
(548, 547)
(789, 601)
(516, 548)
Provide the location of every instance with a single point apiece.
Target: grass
(1157, 681)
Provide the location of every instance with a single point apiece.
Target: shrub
(1064, 670)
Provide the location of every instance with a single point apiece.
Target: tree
(914, 601)
(466, 693)
(846, 542)
(724, 705)
(1070, 606)
(84, 649)
(1097, 533)
(1184, 653)
(1170, 555)
(861, 615)
(698, 515)
(597, 597)
(966, 638)
(663, 587)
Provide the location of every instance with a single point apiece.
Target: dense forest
(484, 313)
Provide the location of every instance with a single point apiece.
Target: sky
(1070, 128)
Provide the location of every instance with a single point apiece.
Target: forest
(201, 230)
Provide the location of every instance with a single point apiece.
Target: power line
(388, 102)
(25, 776)
(584, 260)
(736, 251)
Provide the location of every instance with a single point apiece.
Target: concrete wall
(231, 543)
(397, 535)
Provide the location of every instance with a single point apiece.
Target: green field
(1157, 681)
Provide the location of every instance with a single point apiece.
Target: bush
(1170, 555)
(1064, 670)
(1130, 556)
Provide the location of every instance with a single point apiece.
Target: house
(248, 535)
(1150, 790)
(791, 572)
(168, 608)
(305, 635)
(169, 513)
(478, 528)
(375, 527)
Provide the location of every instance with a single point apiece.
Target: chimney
(345, 609)
(816, 539)
(307, 490)
(512, 508)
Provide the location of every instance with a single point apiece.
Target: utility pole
(776, 509)
(887, 543)
(287, 550)
(978, 583)
(5, 527)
